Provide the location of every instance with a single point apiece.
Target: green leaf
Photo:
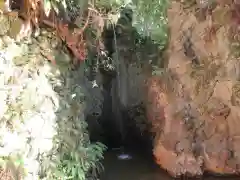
(19, 162)
(81, 174)
(74, 172)
(59, 174)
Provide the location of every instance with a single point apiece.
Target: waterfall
(120, 82)
(119, 91)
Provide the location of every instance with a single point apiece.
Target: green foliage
(151, 19)
(75, 157)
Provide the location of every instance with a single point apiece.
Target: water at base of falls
(140, 167)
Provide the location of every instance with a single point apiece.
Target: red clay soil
(194, 107)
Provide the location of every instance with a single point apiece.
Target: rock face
(193, 107)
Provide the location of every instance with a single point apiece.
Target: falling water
(119, 90)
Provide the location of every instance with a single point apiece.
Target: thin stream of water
(120, 93)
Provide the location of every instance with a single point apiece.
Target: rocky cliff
(193, 107)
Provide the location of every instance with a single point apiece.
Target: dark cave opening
(109, 131)
(134, 143)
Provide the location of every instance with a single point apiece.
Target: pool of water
(140, 167)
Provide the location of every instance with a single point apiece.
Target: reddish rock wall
(193, 106)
